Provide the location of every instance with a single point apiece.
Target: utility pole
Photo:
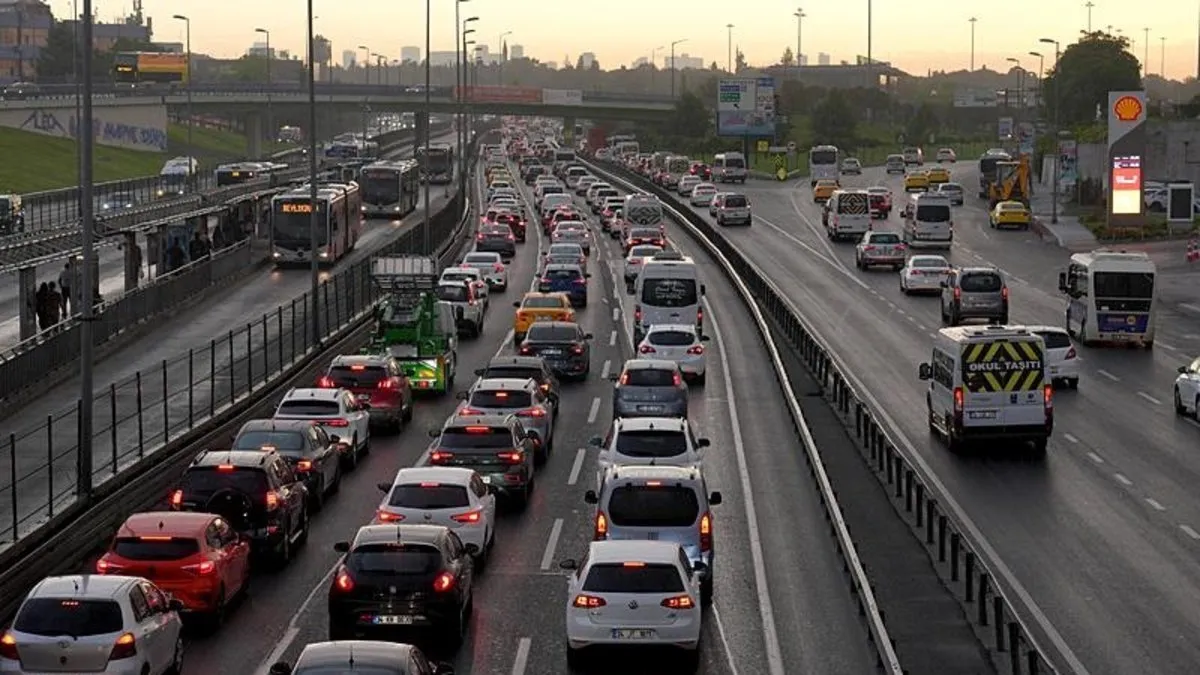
(973, 20)
(1162, 57)
(86, 139)
(428, 39)
(314, 222)
(1057, 151)
(1146, 53)
(799, 36)
(677, 42)
(1089, 6)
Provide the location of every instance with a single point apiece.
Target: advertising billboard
(746, 107)
(562, 96)
(499, 94)
(1126, 150)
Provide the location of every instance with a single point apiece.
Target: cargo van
(928, 220)
(849, 215)
(668, 290)
(728, 167)
(913, 157)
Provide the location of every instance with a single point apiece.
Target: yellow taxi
(536, 307)
(1011, 214)
(823, 190)
(498, 174)
(938, 175)
(917, 181)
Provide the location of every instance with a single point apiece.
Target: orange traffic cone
(1193, 252)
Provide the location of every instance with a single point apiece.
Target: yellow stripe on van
(1017, 366)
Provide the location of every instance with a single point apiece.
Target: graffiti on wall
(135, 132)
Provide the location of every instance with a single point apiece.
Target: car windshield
(477, 437)
(279, 440)
(550, 333)
(70, 617)
(671, 338)
(394, 559)
(357, 376)
(463, 275)
(651, 443)
(429, 496)
(542, 302)
(309, 407)
(621, 578)
(669, 292)
(483, 398)
(155, 548)
(1055, 339)
(885, 238)
(980, 283)
(653, 506)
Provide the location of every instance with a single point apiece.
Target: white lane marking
(1166, 346)
(508, 338)
(522, 659)
(1109, 375)
(552, 544)
(604, 371)
(1095, 458)
(577, 466)
(1149, 398)
(828, 260)
(733, 669)
(594, 411)
(604, 300)
(820, 231)
(293, 628)
(616, 314)
(1155, 504)
(1189, 531)
(1122, 479)
(612, 339)
(1070, 438)
(1190, 307)
(765, 608)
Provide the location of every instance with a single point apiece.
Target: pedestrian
(65, 283)
(196, 249)
(54, 303)
(42, 299)
(176, 256)
(218, 240)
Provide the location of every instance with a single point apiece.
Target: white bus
(823, 163)
(339, 223)
(1110, 297)
(390, 189)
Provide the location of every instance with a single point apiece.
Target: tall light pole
(1146, 52)
(654, 68)
(677, 42)
(1162, 57)
(728, 49)
(366, 63)
(870, 27)
(1089, 6)
(428, 39)
(1041, 76)
(1057, 153)
(799, 14)
(270, 58)
(972, 21)
(86, 138)
(460, 131)
(1020, 84)
(501, 56)
(464, 69)
(188, 39)
(314, 222)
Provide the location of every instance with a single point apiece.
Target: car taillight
(443, 582)
(125, 647)
(8, 647)
(544, 280)
(1004, 293)
(533, 412)
(512, 456)
(479, 236)
(272, 500)
(696, 350)
(677, 380)
(388, 517)
(679, 602)
(900, 247)
(577, 349)
(177, 499)
(325, 382)
(498, 267)
(304, 465)
(512, 237)
(438, 456)
(343, 581)
(526, 351)
(588, 602)
(700, 316)
(1070, 354)
(646, 349)
(868, 247)
(637, 314)
(601, 527)
(469, 411)
(473, 516)
(957, 293)
(335, 423)
(706, 535)
(388, 383)
(1048, 392)
(203, 568)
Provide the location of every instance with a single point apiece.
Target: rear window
(735, 163)
(649, 377)
(980, 283)
(463, 276)
(935, 263)
(171, 548)
(478, 259)
(354, 377)
(606, 193)
(652, 578)
(64, 616)
(735, 201)
(394, 559)
(477, 437)
(645, 233)
(565, 249)
(653, 506)
(452, 293)
(435, 496)
(671, 338)
(644, 251)
(669, 292)
(885, 238)
(933, 213)
(545, 333)
(563, 273)
(552, 190)
(501, 399)
(207, 480)
(1055, 339)
(261, 440)
(317, 408)
(651, 443)
(542, 302)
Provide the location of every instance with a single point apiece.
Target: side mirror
(587, 336)
(705, 338)
(175, 605)
(480, 371)
(1182, 370)
(715, 498)
(434, 433)
(1062, 281)
(703, 289)
(596, 441)
(518, 306)
(342, 547)
(473, 549)
(590, 497)
(384, 487)
(443, 668)
(280, 668)
(700, 443)
(614, 377)
(569, 564)
(925, 371)
(699, 567)
(462, 395)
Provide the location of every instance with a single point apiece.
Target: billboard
(746, 107)
(1004, 130)
(1126, 153)
(499, 94)
(562, 97)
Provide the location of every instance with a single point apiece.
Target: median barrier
(1001, 613)
(226, 382)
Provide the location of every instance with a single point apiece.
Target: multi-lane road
(1105, 535)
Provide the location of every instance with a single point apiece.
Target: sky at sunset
(915, 35)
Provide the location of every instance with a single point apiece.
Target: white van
(728, 167)
(849, 215)
(668, 290)
(928, 220)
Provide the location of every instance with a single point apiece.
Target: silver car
(368, 656)
(638, 255)
(702, 194)
(952, 190)
(570, 236)
(924, 274)
(513, 396)
(491, 266)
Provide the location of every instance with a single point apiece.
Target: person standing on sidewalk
(66, 283)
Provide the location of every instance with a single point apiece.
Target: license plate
(539, 318)
(393, 620)
(364, 397)
(650, 408)
(487, 479)
(633, 633)
(552, 352)
(981, 415)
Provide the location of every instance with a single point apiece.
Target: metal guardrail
(149, 434)
(982, 583)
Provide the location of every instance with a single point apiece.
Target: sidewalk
(1068, 232)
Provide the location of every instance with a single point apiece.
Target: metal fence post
(141, 423)
(12, 480)
(50, 464)
(249, 358)
(112, 412)
(325, 292)
(166, 400)
(266, 351)
(212, 377)
(191, 388)
(305, 324)
(279, 334)
(292, 331)
(232, 393)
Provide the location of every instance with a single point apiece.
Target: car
(880, 202)
(491, 266)
(656, 502)
(634, 260)
(497, 446)
(535, 307)
(851, 167)
(471, 276)
(584, 183)
(117, 201)
(600, 196)
(552, 219)
(946, 155)
(916, 181)
(649, 388)
(525, 367)
(700, 170)
(734, 208)
(565, 235)
(643, 592)
(514, 396)
(1010, 214)
(514, 219)
(714, 204)
(924, 274)
(952, 190)
(686, 183)
(644, 236)
(553, 201)
(345, 418)
(452, 497)
(377, 380)
(612, 221)
(913, 156)
(974, 293)
(1187, 390)
(496, 184)
(823, 189)
(1061, 357)
(255, 491)
(702, 194)
(590, 195)
(197, 558)
(496, 239)
(681, 344)
(895, 164)
(937, 176)
(564, 346)
(314, 456)
(468, 306)
(880, 249)
(375, 657)
(568, 279)
(395, 579)
(97, 624)
(649, 440)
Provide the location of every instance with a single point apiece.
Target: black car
(524, 367)
(256, 491)
(650, 388)
(497, 239)
(400, 579)
(530, 173)
(563, 345)
(311, 453)
(495, 446)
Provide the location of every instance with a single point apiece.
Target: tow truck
(412, 325)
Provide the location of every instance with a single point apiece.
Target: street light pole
(1146, 53)
(86, 138)
(1089, 6)
(728, 49)
(502, 56)
(188, 39)
(677, 42)
(972, 20)
(1041, 99)
(1057, 105)
(270, 58)
(464, 118)
(653, 67)
(1020, 84)
(314, 222)
(366, 63)
(459, 88)
(1162, 57)
(799, 14)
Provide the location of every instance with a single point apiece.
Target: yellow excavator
(1010, 183)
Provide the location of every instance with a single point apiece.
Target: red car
(196, 557)
(700, 169)
(880, 202)
(378, 380)
(515, 223)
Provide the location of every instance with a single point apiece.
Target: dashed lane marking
(1070, 438)
(1170, 348)
(616, 314)
(522, 659)
(577, 466)
(1109, 375)
(607, 368)
(1154, 503)
(594, 411)
(1120, 477)
(612, 339)
(552, 544)
(1095, 458)
(1187, 529)
(1149, 398)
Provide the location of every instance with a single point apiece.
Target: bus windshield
(1137, 285)
(291, 223)
(380, 186)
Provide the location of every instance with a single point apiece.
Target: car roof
(367, 653)
(460, 268)
(650, 423)
(268, 424)
(359, 360)
(313, 393)
(539, 294)
(524, 361)
(650, 364)
(433, 474)
(610, 551)
(505, 383)
(680, 327)
(980, 270)
(246, 459)
(166, 523)
(490, 255)
(95, 586)
(402, 534)
(929, 256)
(638, 472)
(492, 420)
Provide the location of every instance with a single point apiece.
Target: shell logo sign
(1128, 109)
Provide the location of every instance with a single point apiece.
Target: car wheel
(1179, 409)
(176, 667)
(576, 660)
(1073, 383)
(706, 590)
(216, 618)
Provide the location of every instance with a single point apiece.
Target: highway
(796, 583)
(1105, 534)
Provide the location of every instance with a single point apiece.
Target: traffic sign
(762, 146)
(781, 174)
(736, 95)
(791, 146)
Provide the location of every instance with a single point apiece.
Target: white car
(633, 592)
(1061, 357)
(471, 276)
(946, 155)
(702, 194)
(1187, 390)
(96, 624)
(343, 417)
(496, 186)
(851, 167)
(663, 441)
(491, 266)
(680, 344)
(880, 248)
(686, 183)
(924, 274)
(468, 307)
(638, 255)
(453, 497)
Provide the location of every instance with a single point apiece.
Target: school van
(668, 290)
(729, 167)
(989, 383)
(849, 215)
(928, 220)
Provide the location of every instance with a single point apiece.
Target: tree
(1086, 72)
(596, 66)
(566, 62)
(788, 59)
(692, 117)
(713, 66)
(739, 61)
(923, 122)
(834, 120)
(579, 62)
(249, 68)
(58, 59)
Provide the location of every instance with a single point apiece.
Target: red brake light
(438, 456)
(677, 380)
(958, 400)
(358, 368)
(697, 350)
(469, 517)
(479, 430)
(1048, 392)
(335, 423)
(498, 267)
(388, 517)
(526, 351)
(202, 568)
(601, 527)
(469, 412)
(443, 582)
(388, 383)
(272, 500)
(343, 581)
(1004, 293)
(868, 247)
(679, 602)
(533, 412)
(706, 540)
(512, 237)
(957, 293)
(646, 349)
(577, 349)
(8, 647)
(325, 382)
(225, 467)
(125, 647)
(588, 602)
(177, 499)
(512, 457)
(479, 237)
(624, 378)
(304, 465)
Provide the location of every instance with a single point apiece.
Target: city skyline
(762, 35)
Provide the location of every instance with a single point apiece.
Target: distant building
(24, 29)
(483, 55)
(516, 52)
(803, 60)
(684, 61)
(822, 59)
(260, 50)
(169, 47)
(349, 59)
(587, 60)
(410, 54)
(442, 58)
(882, 74)
(217, 70)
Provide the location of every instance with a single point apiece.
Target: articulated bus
(390, 189)
(437, 166)
(245, 172)
(823, 163)
(339, 223)
(1110, 297)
